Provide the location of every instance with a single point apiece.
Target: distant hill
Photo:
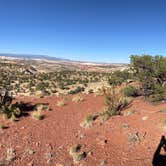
(60, 60)
(30, 56)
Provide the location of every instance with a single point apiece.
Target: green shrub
(151, 72)
(87, 122)
(131, 91)
(74, 149)
(115, 102)
(118, 77)
(38, 115)
(77, 90)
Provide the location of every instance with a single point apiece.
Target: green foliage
(87, 122)
(131, 91)
(77, 90)
(76, 153)
(118, 77)
(74, 149)
(151, 71)
(6, 106)
(38, 115)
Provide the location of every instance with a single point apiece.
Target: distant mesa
(31, 57)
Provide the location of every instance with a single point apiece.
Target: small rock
(58, 164)
(37, 144)
(145, 118)
(82, 135)
(90, 153)
(103, 163)
(31, 163)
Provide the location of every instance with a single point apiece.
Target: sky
(86, 30)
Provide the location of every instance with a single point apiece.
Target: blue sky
(93, 30)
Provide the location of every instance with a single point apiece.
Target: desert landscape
(82, 83)
(117, 118)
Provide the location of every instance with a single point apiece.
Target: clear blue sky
(94, 30)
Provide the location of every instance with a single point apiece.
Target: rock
(90, 153)
(37, 144)
(145, 118)
(103, 163)
(31, 163)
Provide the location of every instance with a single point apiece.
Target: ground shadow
(25, 108)
(158, 159)
(28, 107)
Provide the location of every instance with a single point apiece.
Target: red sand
(60, 129)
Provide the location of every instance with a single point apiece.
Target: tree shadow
(25, 108)
(158, 159)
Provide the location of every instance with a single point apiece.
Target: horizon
(81, 30)
(33, 56)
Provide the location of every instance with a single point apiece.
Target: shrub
(74, 149)
(77, 99)
(77, 90)
(104, 115)
(163, 111)
(41, 107)
(2, 126)
(114, 104)
(77, 157)
(76, 154)
(151, 72)
(87, 122)
(60, 103)
(131, 91)
(118, 77)
(90, 91)
(38, 115)
(6, 107)
(11, 155)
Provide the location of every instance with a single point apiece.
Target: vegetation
(77, 157)
(24, 79)
(10, 154)
(6, 106)
(38, 115)
(74, 149)
(2, 126)
(76, 153)
(151, 72)
(131, 91)
(77, 99)
(87, 122)
(118, 77)
(115, 102)
(60, 103)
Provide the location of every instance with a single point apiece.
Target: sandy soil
(47, 142)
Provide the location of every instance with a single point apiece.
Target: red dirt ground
(60, 129)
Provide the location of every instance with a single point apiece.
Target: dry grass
(76, 153)
(38, 115)
(88, 121)
(77, 99)
(2, 126)
(74, 149)
(10, 154)
(60, 103)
